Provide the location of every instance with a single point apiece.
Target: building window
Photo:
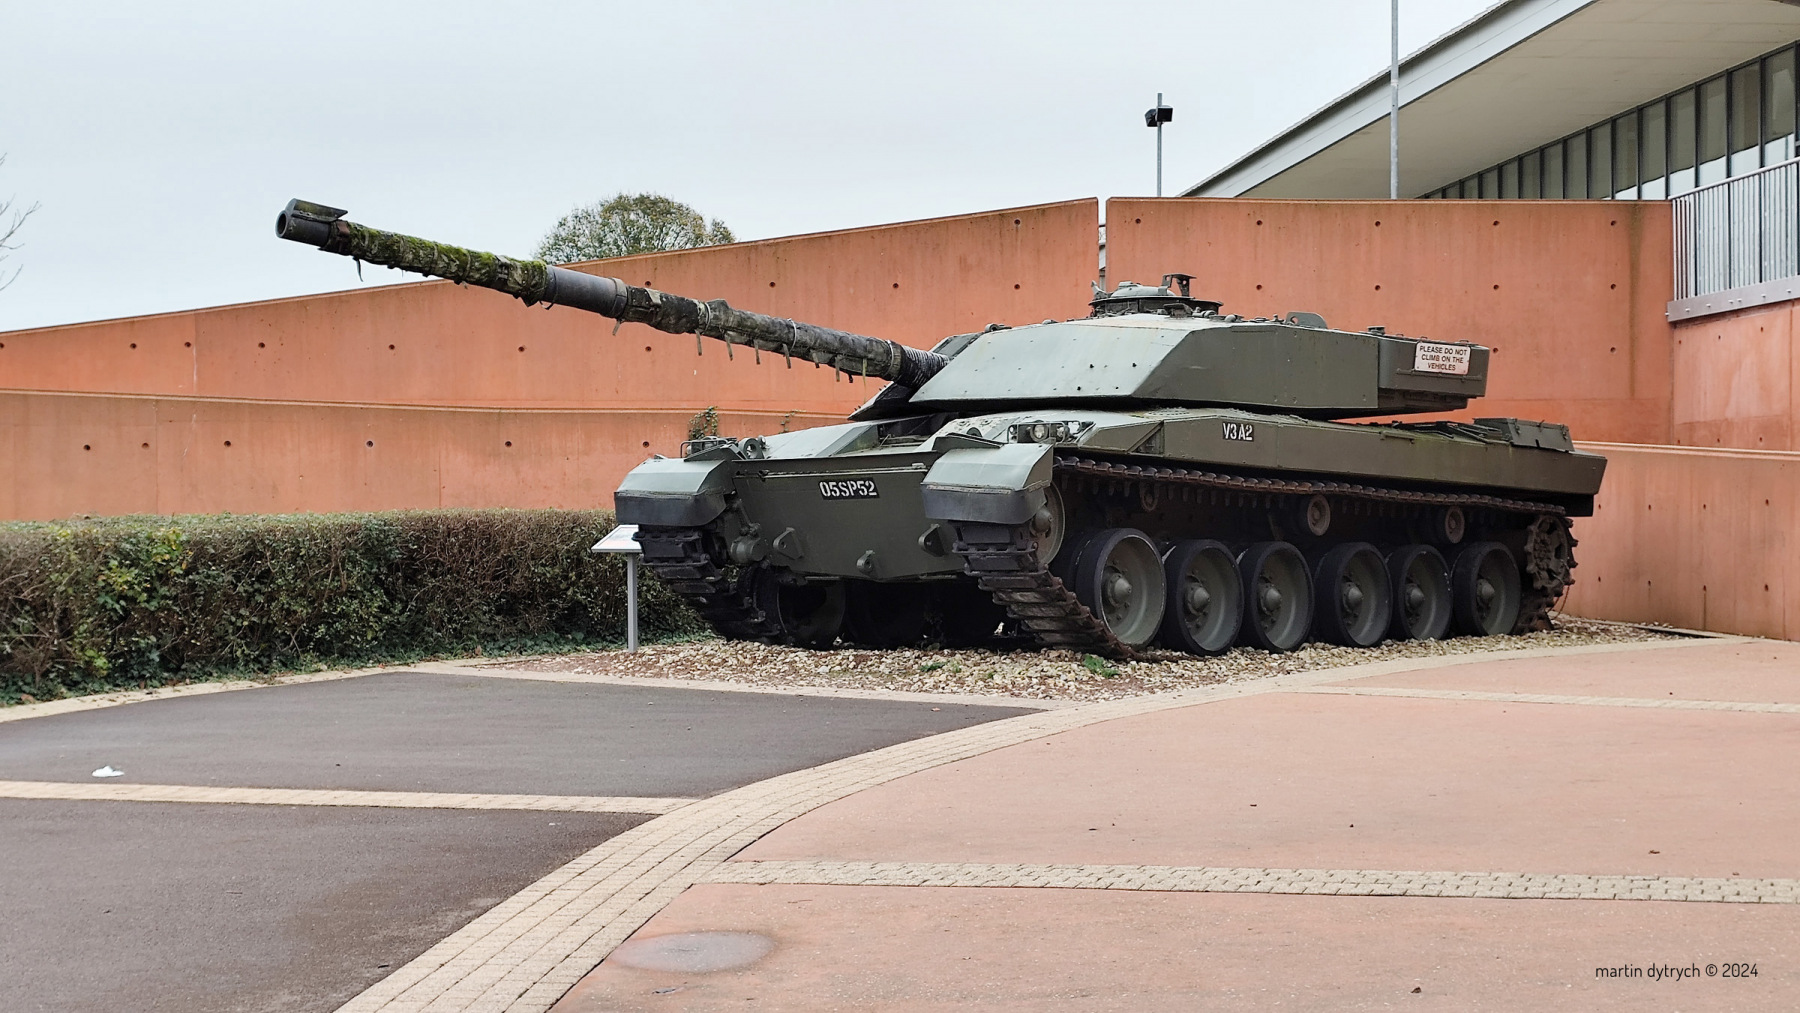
(1655, 147)
(1746, 120)
(1625, 157)
(1778, 107)
(1575, 168)
(1600, 161)
(1736, 123)
(1712, 131)
(1683, 132)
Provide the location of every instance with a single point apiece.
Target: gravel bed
(1038, 675)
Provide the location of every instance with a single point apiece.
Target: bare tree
(11, 218)
(630, 223)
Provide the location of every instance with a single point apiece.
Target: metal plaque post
(622, 540)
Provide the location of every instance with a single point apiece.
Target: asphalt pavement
(189, 906)
(423, 732)
(204, 908)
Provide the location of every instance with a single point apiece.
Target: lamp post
(1394, 105)
(1156, 116)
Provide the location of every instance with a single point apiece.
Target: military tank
(1160, 472)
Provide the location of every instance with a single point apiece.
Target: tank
(1159, 473)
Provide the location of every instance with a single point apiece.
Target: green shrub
(92, 605)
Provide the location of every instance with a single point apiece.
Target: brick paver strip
(1669, 703)
(99, 701)
(523, 954)
(106, 791)
(1198, 879)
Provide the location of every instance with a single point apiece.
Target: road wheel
(1353, 604)
(1205, 598)
(1119, 577)
(1049, 526)
(1484, 585)
(1421, 583)
(1278, 599)
(885, 615)
(808, 615)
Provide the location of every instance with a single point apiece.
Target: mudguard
(998, 485)
(673, 493)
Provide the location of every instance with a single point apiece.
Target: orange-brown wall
(1737, 380)
(440, 377)
(121, 454)
(1571, 295)
(1704, 539)
(432, 343)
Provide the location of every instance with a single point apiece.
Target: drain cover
(693, 951)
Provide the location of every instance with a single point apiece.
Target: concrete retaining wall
(1737, 381)
(124, 454)
(1705, 539)
(440, 377)
(432, 343)
(1571, 295)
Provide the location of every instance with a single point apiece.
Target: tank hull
(910, 500)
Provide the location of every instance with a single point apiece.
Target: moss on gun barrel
(526, 279)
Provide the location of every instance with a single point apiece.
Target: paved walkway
(287, 847)
(1586, 829)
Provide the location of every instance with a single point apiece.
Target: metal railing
(1739, 231)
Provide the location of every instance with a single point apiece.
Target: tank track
(1549, 558)
(679, 558)
(1004, 559)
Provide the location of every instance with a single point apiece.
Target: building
(1691, 100)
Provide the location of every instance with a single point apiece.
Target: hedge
(93, 605)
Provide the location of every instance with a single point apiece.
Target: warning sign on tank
(1431, 357)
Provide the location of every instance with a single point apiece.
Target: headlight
(1048, 432)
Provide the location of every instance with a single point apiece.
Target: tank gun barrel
(534, 281)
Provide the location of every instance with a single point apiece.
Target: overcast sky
(160, 139)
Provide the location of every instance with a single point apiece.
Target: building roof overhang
(1520, 75)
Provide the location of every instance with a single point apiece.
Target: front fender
(999, 485)
(672, 493)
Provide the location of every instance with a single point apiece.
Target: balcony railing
(1738, 232)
